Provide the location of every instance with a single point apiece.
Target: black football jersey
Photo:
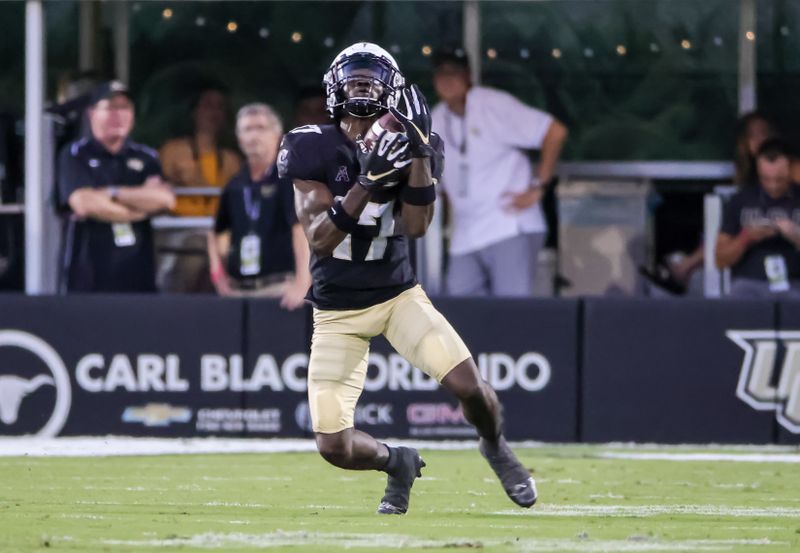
(373, 266)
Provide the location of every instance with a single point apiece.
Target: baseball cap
(109, 89)
(450, 56)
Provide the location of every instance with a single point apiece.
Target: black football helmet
(362, 81)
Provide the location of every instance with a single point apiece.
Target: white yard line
(735, 457)
(118, 445)
(388, 541)
(636, 511)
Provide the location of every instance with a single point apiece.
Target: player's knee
(334, 448)
(465, 382)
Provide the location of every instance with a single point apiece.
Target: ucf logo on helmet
(759, 385)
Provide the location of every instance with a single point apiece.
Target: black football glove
(380, 167)
(413, 113)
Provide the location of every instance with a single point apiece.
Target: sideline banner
(786, 376)
(671, 371)
(566, 370)
(131, 365)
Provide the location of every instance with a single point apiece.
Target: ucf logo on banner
(768, 382)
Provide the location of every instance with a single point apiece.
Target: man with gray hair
(258, 248)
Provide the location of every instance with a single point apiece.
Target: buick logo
(15, 387)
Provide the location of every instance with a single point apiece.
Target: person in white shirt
(493, 193)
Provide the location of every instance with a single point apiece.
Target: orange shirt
(183, 166)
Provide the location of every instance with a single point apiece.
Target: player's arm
(319, 214)
(153, 196)
(552, 145)
(97, 203)
(730, 249)
(419, 194)
(219, 245)
(416, 212)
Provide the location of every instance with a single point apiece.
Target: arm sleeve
(299, 156)
(286, 190)
(71, 175)
(515, 123)
(731, 213)
(222, 222)
(153, 167)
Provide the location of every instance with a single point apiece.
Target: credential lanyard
(252, 205)
(462, 146)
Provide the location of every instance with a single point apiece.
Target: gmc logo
(429, 414)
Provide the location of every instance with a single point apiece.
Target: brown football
(385, 122)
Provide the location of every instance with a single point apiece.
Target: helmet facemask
(361, 85)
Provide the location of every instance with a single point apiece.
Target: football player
(358, 207)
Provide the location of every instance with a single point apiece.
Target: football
(386, 122)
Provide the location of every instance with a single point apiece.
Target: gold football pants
(340, 349)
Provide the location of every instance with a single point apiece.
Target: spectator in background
(681, 272)
(196, 161)
(110, 187)
(760, 234)
(752, 129)
(311, 108)
(493, 194)
(258, 247)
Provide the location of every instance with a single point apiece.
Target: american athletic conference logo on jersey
(759, 384)
(342, 175)
(21, 376)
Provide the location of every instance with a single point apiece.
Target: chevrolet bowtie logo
(759, 385)
(157, 414)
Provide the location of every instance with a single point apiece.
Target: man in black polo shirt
(110, 186)
(256, 230)
(760, 234)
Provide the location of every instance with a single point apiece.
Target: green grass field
(295, 502)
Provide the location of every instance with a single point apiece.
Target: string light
(232, 26)
(524, 53)
(263, 32)
(556, 53)
(751, 36)
(167, 13)
(427, 50)
(394, 48)
(297, 37)
(655, 48)
(328, 42)
(588, 52)
(785, 30)
(491, 53)
(718, 41)
(621, 50)
(686, 44)
(200, 21)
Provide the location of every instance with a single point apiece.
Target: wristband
(420, 196)
(216, 274)
(341, 219)
(422, 151)
(113, 193)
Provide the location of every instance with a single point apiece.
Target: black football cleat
(515, 478)
(398, 485)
